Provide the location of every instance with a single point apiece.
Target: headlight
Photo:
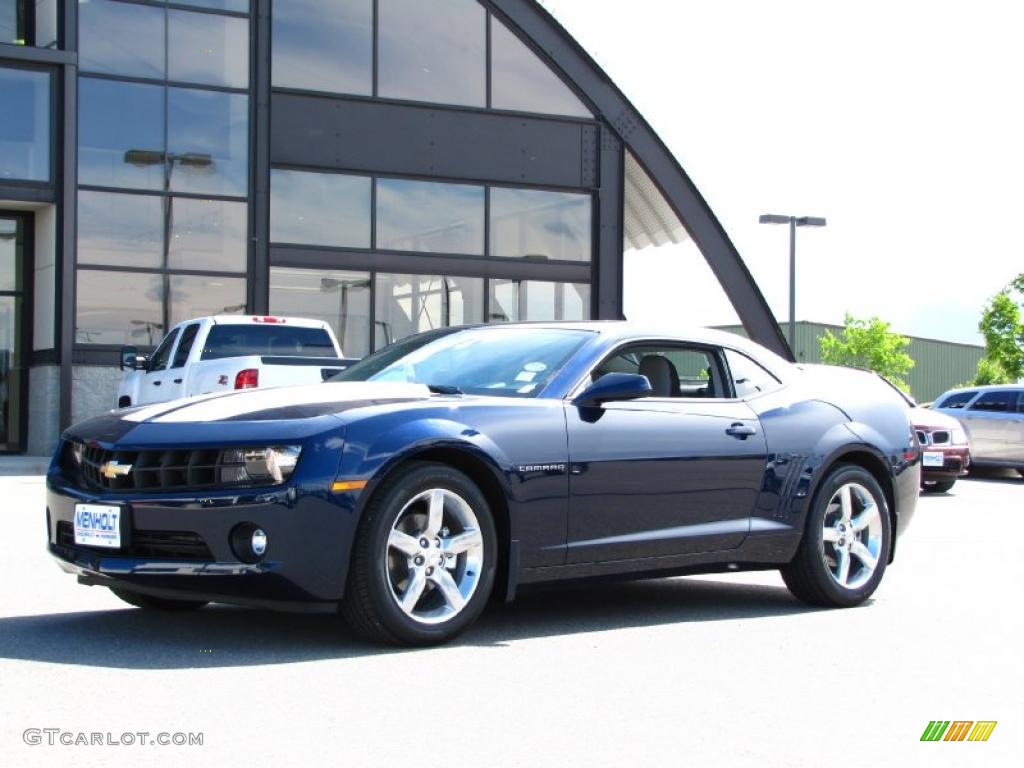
(260, 466)
(958, 436)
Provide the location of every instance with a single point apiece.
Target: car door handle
(177, 381)
(156, 383)
(741, 431)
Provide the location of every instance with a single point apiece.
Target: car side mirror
(614, 386)
(129, 358)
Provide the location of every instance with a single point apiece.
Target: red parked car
(945, 452)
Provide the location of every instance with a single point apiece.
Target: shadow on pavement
(993, 475)
(224, 636)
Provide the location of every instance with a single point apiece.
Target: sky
(900, 122)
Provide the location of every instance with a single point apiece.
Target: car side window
(1020, 401)
(673, 370)
(1000, 401)
(158, 360)
(957, 400)
(749, 379)
(188, 338)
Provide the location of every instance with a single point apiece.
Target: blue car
(460, 465)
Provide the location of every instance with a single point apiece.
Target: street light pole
(794, 222)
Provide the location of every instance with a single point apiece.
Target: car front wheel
(846, 543)
(424, 558)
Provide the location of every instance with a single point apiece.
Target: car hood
(279, 413)
(928, 419)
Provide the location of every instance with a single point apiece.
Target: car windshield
(504, 362)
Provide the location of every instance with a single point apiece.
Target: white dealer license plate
(98, 525)
(934, 459)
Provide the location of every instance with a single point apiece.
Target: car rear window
(278, 340)
(1000, 401)
(957, 400)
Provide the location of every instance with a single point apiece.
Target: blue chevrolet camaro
(461, 464)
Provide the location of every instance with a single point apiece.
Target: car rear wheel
(157, 603)
(424, 558)
(939, 486)
(846, 544)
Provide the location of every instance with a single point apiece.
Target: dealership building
(386, 165)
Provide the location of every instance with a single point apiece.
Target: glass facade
(12, 319)
(29, 22)
(538, 224)
(341, 298)
(177, 131)
(523, 300)
(323, 45)
(408, 304)
(25, 136)
(430, 217)
(330, 209)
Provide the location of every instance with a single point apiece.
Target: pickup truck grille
(158, 470)
(162, 545)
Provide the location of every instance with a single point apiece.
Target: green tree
(1003, 330)
(869, 344)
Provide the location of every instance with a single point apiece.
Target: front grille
(158, 470)
(940, 437)
(922, 437)
(160, 545)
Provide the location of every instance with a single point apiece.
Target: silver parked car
(994, 419)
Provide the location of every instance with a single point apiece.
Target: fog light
(258, 542)
(249, 542)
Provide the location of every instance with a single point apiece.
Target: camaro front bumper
(181, 547)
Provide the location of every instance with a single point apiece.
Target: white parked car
(227, 352)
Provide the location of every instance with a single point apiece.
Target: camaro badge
(113, 469)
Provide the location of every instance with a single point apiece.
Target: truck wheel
(157, 603)
(846, 542)
(424, 558)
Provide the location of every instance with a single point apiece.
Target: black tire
(1020, 472)
(371, 604)
(157, 603)
(809, 576)
(939, 486)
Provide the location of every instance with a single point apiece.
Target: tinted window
(339, 298)
(407, 304)
(196, 296)
(748, 378)
(135, 318)
(433, 51)
(1000, 401)
(503, 362)
(520, 80)
(206, 48)
(278, 339)
(120, 230)
(319, 208)
(207, 235)
(188, 337)
(323, 45)
(158, 360)
(120, 134)
(674, 371)
(520, 300)
(121, 39)
(208, 140)
(25, 125)
(957, 400)
(536, 224)
(429, 216)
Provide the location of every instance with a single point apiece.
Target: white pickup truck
(226, 352)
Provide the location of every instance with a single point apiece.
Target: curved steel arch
(614, 110)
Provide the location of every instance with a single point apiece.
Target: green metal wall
(938, 365)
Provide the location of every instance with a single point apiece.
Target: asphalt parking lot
(700, 671)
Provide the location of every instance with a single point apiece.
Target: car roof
(983, 388)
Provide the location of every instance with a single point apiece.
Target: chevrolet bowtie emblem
(113, 469)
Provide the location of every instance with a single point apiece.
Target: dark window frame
(53, 126)
(26, 294)
(723, 385)
(188, 337)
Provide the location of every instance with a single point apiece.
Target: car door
(987, 420)
(672, 474)
(175, 382)
(1014, 433)
(152, 389)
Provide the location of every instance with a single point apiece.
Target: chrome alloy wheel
(434, 556)
(851, 536)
